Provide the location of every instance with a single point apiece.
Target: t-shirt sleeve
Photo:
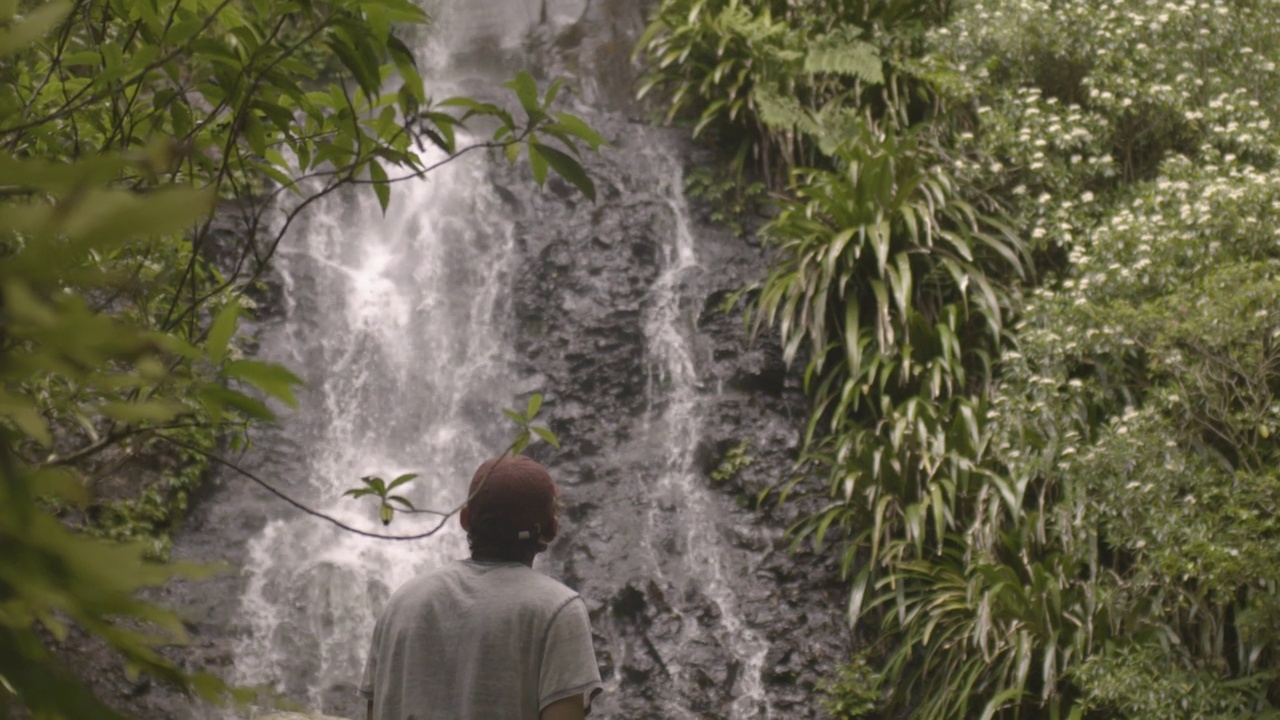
(568, 658)
(371, 664)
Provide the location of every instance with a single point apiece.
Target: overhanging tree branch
(443, 514)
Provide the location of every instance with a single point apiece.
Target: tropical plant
(763, 78)
(897, 292)
(148, 155)
(854, 693)
(1098, 531)
(1054, 499)
(50, 575)
(1118, 557)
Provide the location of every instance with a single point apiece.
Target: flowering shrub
(1056, 497)
(1133, 144)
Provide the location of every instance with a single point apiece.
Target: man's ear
(464, 520)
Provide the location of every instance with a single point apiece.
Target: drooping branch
(444, 515)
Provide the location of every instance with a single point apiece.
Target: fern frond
(777, 111)
(742, 22)
(841, 52)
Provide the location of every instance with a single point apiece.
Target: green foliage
(525, 429)
(198, 102)
(540, 121)
(1118, 558)
(892, 285)
(854, 693)
(1056, 497)
(50, 575)
(123, 126)
(730, 199)
(55, 577)
(764, 79)
(154, 513)
(1140, 682)
(376, 486)
(734, 462)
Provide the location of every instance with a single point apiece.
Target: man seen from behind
(488, 638)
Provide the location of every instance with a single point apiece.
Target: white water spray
(391, 321)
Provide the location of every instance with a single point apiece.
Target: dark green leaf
(157, 410)
(222, 329)
(380, 185)
(538, 164)
(275, 380)
(576, 127)
(402, 500)
(567, 168)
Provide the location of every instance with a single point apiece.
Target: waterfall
(393, 325)
(404, 328)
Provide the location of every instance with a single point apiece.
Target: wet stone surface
(698, 608)
(580, 303)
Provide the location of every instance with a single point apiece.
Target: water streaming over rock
(413, 331)
(675, 413)
(395, 324)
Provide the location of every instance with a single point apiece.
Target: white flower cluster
(1192, 218)
(1141, 138)
(1102, 91)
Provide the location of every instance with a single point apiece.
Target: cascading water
(392, 322)
(674, 422)
(413, 330)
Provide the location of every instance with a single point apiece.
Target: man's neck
(527, 560)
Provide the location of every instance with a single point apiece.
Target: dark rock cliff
(586, 272)
(580, 294)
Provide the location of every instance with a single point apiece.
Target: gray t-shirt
(479, 641)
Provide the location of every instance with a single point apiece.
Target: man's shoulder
(546, 585)
(505, 577)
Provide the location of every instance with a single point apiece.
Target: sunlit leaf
(380, 185)
(33, 26)
(546, 435)
(222, 329)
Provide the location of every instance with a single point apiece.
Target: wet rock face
(586, 277)
(668, 632)
(599, 277)
(667, 637)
